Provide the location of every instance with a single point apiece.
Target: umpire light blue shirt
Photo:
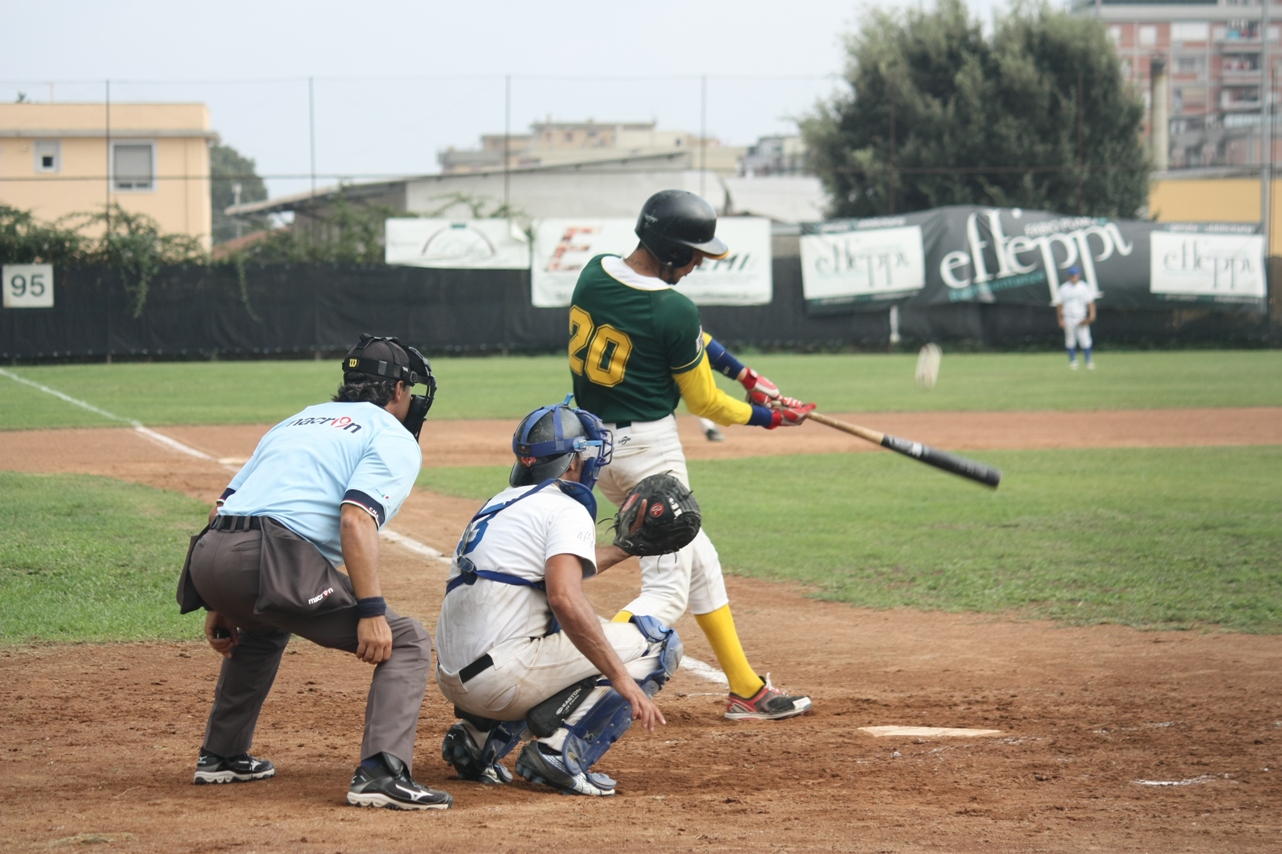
(328, 455)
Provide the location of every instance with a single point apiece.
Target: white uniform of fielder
(1074, 301)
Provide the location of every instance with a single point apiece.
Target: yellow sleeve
(704, 399)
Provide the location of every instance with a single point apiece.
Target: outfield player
(636, 349)
(518, 642)
(1075, 312)
(314, 494)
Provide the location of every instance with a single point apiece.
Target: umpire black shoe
(212, 768)
(390, 786)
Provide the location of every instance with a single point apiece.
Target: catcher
(519, 645)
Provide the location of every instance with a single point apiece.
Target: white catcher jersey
(517, 541)
(1074, 297)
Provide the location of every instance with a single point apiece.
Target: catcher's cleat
(538, 766)
(390, 786)
(460, 750)
(768, 704)
(212, 768)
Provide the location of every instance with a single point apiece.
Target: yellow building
(57, 159)
(1229, 197)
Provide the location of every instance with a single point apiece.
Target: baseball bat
(969, 469)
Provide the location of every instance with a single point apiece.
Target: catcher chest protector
(674, 224)
(389, 359)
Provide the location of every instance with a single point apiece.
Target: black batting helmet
(674, 224)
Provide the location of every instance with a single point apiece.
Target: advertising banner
(563, 246)
(475, 244)
(1013, 256)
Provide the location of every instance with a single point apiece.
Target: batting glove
(755, 383)
(791, 416)
(760, 398)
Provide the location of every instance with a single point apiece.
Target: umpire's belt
(237, 523)
(476, 668)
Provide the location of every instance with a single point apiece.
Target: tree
(113, 237)
(1036, 115)
(228, 167)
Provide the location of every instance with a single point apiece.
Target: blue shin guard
(610, 717)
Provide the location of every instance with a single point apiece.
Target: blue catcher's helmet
(547, 439)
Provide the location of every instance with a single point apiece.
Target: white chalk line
(159, 438)
(696, 667)
(1192, 781)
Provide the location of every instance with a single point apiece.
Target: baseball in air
(928, 360)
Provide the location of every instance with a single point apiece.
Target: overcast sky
(397, 81)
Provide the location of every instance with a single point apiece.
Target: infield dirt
(1111, 739)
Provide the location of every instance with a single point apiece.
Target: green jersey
(628, 335)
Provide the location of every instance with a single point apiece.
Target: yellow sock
(621, 617)
(718, 627)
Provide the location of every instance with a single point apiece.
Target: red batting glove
(755, 383)
(791, 416)
(760, 398)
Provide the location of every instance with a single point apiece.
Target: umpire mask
(388, 358)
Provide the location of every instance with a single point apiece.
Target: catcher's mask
(389, 359)
(674, 224)
(547, 439)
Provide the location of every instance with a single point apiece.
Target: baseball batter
(636, 349)
(1075, 312)
(518, 642)
(314, 494)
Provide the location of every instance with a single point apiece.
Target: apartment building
(58, 159)
(556, 143)
(1213, 54)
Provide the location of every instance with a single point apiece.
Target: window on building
(1148, 36)
(1190, 31)
(1190, 64)
(133, 166)
(48, 155)
(1115, 33)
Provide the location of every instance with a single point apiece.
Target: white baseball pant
(1076, 335)
(527, 671)
(669, 583)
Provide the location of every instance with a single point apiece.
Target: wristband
(721, 360)
(763, 416)
(371, 606)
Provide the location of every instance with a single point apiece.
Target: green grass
(476, 483)
(1156, 538)
(92, 559)
(1165, 538)
(1169, 538)
(264, 392)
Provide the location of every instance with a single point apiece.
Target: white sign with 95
(28, 286)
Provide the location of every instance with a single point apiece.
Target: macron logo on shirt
(341, 423)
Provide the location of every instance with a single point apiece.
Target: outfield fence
(201, 312)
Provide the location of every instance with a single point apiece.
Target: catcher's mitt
(659, 516)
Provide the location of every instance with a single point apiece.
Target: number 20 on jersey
(598, 352)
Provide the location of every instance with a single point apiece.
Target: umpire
(313, 496)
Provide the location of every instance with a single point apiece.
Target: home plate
(927, 731)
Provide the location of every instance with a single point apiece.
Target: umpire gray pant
(224, 571)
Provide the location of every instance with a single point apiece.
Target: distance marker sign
(28, 286)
